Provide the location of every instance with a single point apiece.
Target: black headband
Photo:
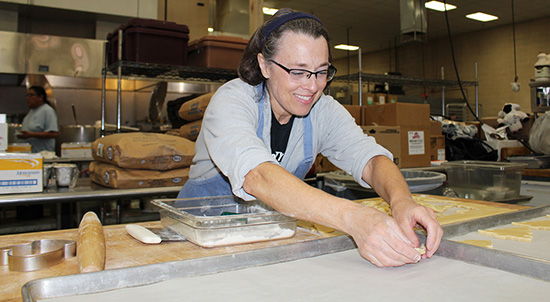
(269, 28)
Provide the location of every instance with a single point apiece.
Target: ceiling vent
(413, 20)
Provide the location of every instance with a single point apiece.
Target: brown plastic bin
(216, 52)
(150, 41)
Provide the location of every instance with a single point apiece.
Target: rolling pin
(90, 245)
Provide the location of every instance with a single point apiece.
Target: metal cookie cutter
(36, 255)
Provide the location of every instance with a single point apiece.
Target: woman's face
(33, 99)
(295, 51)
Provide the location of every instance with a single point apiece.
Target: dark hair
(249, 69)
(40, 91)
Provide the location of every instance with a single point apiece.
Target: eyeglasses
(301, 75)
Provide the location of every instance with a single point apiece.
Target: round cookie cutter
(37, 255)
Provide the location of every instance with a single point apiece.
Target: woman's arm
(378, 236)
(27, 134)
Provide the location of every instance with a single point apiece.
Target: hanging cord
(460, 83)
(455, 67)
(514, 38)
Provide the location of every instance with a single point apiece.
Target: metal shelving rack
(154, 72)
(408, 81)
(400, 80)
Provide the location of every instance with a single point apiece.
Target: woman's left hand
(24, 134)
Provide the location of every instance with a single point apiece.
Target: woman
(262, 132)
(40, 124)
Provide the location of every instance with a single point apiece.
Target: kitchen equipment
(36, 255)
(153, 235)
(157, 101)
(542, 67)
(484, 180)
(149, 41)
(74, 115)
(224, 220)
(91, 244)
(532, 161)
(216, 52)
(66, 175)
(47, 174)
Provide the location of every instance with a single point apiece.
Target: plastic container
(216, 52)
(343, 185)
(492, 181)
(224, 220)
(150, 41)
(542, 67)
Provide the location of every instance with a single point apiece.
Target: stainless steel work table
(308, 270)
(85, 190)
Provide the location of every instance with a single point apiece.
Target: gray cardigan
(228, 142)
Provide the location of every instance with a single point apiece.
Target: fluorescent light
(210, 29)
(483, 17)
(346, 47)
(269, 11)
(439, 6)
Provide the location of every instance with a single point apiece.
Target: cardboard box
(388, 137)
(367, 99)
(392, 98)
(76, 150)
(398, 114)
(3, 136)
(20, 173)
(355, 111)
(437, 147)
(410, 146)
(436, 128)
(19, 148)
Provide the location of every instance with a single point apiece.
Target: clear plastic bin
(224, 220)
(483, 180)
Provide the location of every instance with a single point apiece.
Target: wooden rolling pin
(90, 245)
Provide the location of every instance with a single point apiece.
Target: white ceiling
(375, 24)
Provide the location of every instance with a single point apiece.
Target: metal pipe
(104, 78)
(360, 85)
(443, 92)
(477, 91)
(119, 81)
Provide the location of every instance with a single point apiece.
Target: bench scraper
(153, 235)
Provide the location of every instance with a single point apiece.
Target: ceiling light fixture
(439, 6)
(269, 11)
(346, 47)
(483, 17)
(210, 29)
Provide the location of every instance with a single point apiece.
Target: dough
(535, 225)
(523, 234)
(421, 249)
(482, 243)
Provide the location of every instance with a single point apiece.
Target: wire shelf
(400, 80)
(171, 72)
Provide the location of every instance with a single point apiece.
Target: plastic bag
(539, 137)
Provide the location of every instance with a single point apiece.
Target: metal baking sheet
(81, 284)
(511, 260)
(97, 282)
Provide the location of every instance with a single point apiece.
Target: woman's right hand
(379, 238)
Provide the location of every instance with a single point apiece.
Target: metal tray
(224, 220)
(96, 282)
(102, 281)
(513, 262)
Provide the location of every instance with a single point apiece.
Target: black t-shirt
(279, 137)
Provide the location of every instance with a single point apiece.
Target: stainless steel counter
(85, 190)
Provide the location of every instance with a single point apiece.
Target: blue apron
(219, 185)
